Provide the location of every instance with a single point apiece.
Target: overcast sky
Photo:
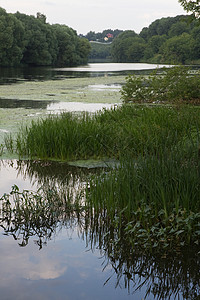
(97, 15)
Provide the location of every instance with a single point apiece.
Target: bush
(176, 84)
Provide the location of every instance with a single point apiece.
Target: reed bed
(154, 192)
(137, 130)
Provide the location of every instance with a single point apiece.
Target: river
(67, 256)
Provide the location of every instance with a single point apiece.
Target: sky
(97, 15)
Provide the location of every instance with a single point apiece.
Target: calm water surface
(63, 265)
(13, 75)
(69, 256)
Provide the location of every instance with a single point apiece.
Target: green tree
(196, 36)
(41, 17)
(100, 51)
(30, 40)
(178, 49)
(37, 48)
(83, 49)
(135, 49)
(125, 46)
(91, 36)
(163, 26)
(178, 29)
(11, 39)
(72, 50)
(153, 46)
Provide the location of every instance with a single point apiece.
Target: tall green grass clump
(137, 130)
(153, 193)
(155, 201)
(153, 196)
(61, 137)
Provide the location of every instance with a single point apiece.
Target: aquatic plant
(109, 133)
(136, 265)
(158, 200)
(24, 214)
(157, 176)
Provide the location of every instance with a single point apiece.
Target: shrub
(176, 84)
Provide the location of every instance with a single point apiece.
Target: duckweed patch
(70, 89)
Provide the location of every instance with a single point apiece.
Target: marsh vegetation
(155, 186)
(44, 214)
(139, 204)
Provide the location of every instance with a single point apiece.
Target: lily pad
(94, 163)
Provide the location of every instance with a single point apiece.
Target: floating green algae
(71, 89)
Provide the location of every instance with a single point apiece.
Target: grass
(137, 130)
(154, 192)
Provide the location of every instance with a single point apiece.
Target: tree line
(100, 36)
(29, 40)
(166, 40)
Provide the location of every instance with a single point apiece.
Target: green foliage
(127, 47)
(108, 133)
(165, 26)
(11, 39)
(154, 189)
(166, 40)
(178, 49)
(191, 6)
(175, 84)
(100, 51)
(153, 46)
(28, 40)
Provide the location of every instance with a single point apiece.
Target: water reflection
(165, 276)
(77, 106)
(20, 74)
(54, 106)
(45, 215)
(28, 104)
(113, 67)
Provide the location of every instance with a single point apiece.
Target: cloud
(87, 15)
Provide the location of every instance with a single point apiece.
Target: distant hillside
(166, 40)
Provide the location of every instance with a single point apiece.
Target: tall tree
(178, 49)
(11, 39)
(122, 44)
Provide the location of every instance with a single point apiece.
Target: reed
(112, 133)
(157, 199)
(155, 189)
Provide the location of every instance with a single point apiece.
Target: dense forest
(166, 40)
(30, 40)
